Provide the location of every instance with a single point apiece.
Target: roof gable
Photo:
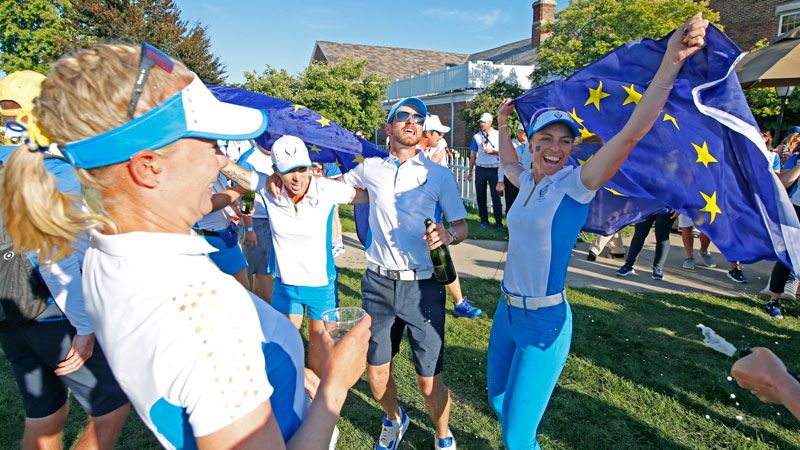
(516, 53)
(391, 62)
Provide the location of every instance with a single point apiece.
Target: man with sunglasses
(404, 189)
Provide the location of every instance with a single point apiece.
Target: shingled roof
(516, 53)
(392, 62)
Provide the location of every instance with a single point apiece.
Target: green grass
(638, 377)
(473, 225)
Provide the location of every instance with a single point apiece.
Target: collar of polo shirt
(147, 243)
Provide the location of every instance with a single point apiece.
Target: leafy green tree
(586, 30)
(488, 101)
(155, 21)
(33, 34)
(343, 92)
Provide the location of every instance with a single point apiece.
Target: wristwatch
(248, 229)
(453, 235)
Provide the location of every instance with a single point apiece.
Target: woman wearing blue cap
(205, 363)
(532, 328)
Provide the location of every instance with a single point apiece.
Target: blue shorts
(229, 259)
(288, 299)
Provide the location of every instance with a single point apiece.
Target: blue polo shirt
(543, 225)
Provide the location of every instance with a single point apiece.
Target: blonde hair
(788, 139)
(85, 94)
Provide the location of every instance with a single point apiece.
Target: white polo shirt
(543, 225)
(481, 141)
(185, 341)
(400, 199)
(301, 232)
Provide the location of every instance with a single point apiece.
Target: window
(789, 22)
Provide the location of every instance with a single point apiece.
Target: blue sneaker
(448, 443)
(484, 225)
(464, 309)
(773, 308)
(392, 432)
(625, 270)
(658, 273)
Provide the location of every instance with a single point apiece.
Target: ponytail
(38, 217)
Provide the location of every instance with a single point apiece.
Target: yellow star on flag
(711, 205)
(585, 133)
(633, 96)
(703, 155)
(668, 118)
(297, 107)
(582, 161)
(595, 95)
(358, 159)
(614, 192)
(323, 121)
(314, 148)
(338, 164)
(575, 117)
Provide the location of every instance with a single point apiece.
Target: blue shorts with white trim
(229, 259)
(289, 299)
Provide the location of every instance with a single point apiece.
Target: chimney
(544, 11)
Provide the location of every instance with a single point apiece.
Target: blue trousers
(527, 351)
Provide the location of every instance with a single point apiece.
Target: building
(447, 82)
(748, 21)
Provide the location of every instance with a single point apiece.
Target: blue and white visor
(193, 112)
(551, 116)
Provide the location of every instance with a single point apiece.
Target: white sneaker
(448, 443)
(392, 432)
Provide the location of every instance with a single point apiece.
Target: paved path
(486, 259)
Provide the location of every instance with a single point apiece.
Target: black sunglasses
(151, 56)
(402, 116)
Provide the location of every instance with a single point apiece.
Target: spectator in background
(788, 146)
(360, 134)
(616, 249)
(483, 154)
(433, 144)
(525, 158)
(663, 222)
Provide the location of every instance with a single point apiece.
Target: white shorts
(685, 221)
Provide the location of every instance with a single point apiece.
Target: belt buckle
(393, 275)
(507, 298)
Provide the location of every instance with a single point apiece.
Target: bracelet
(653, 82)
(248, 229)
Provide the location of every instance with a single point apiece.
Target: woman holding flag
(532, 328)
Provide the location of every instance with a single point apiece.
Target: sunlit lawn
(638, 378)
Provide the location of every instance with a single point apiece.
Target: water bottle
(443, 269)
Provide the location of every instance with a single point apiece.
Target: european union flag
(704, 156)
(327, 141)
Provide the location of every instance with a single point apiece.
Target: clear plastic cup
(339, 321)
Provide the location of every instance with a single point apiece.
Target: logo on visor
(558, 115)
(290, 150)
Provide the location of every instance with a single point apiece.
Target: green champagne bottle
(443, 269)
(246, 204)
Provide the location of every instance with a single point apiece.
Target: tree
(586, 30)
(343, 92)
(488, 101)
(33, 34)
(155, 21)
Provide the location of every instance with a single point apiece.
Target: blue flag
(327, 141)
(704, 156)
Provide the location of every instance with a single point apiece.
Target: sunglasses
(151, 56)
(402, 116)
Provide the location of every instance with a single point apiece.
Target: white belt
(533, 302)
(400, 275)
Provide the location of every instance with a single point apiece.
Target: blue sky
(249, 34)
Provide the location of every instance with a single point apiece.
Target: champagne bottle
(443, 269)
(246, 204)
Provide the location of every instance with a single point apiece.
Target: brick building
(748, 21)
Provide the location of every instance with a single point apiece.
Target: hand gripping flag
(704, 156)
(327, 141)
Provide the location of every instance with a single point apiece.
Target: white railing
(471, 75)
